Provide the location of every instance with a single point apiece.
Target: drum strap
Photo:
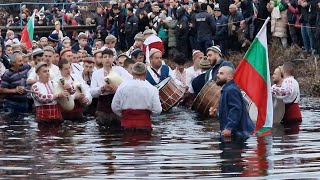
(158, 75)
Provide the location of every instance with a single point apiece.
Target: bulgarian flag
(27, 33)
(253, 77)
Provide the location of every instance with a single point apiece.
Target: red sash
(49, 112)
(135, 118)
(292, 113)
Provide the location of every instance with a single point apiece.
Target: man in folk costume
(215, 57)
(68, 55)
(88, 67)
(45, 101)
(97, 54)
(151, 41)
(157, 71)
(54, 71)
(105, 91)
(194, 70)
(180, 72)
(136, 100)
(78, 89)
(289, 92)
(277, 77)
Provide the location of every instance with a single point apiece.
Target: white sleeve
(95, 90)
(115, 105)
(86, 88)
(173, 76)
(286, 90)
(32, 75)
(156, 104)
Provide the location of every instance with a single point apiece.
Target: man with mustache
(13, 84)
(233, 116)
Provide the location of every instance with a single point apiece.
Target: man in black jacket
(181, 31)
(221, 29)
(205, 26)
(82, 44)
(131, 27)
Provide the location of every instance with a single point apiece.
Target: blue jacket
(214, 70)
(233, 114)
(222, 28)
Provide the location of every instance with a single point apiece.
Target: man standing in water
(136, 100)
(233, 116)
(289, 92)
(277, 77)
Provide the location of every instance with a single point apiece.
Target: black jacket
(205, 26)
(76, 48)
(131, 28)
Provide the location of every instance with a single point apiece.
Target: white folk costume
(75, 81)
(77, 69)
(53, 71)
(104, 114)
(47, 109)
(134, 101)
(289, 92)
(182, 77)
(191, 73)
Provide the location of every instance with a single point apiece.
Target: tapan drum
(208, 97)
(170, 93)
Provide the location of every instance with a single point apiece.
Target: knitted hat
(139, 37)
(148, 31)
(205, 64)
(40, 65)
(49, 48)
(135, 52)
(215, 49)
(88, 59)
(110, 37)
(139, 68)
(96, 51)
(196, 53)
(65, 38)
(37, 51)
(82, 36)
(64, 51)
(53, 37)
(153, 51)
(123, 54)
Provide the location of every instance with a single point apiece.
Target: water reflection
(181, 146)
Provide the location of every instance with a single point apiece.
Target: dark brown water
(180, 147)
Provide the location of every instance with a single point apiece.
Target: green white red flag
(253, 77)
(27, 33)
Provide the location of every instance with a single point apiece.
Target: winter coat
(172, 42)
(278, 23)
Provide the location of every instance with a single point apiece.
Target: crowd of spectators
(184, 25)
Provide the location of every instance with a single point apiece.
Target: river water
(181, 146)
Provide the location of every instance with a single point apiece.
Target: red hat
(88, 59)
(64, 51)
(196, 53)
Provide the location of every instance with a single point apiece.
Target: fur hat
(39, 65)
(139, 68)
(64, 51)
(110, 37)
(153, 51)
(139, 37)
(49, 48)
(37, 51)
(88, 59)
(205, 64)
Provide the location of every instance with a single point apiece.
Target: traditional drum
(113, 78)
(170, 93)
(278, 108)
(208, 97)
(66, 103)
